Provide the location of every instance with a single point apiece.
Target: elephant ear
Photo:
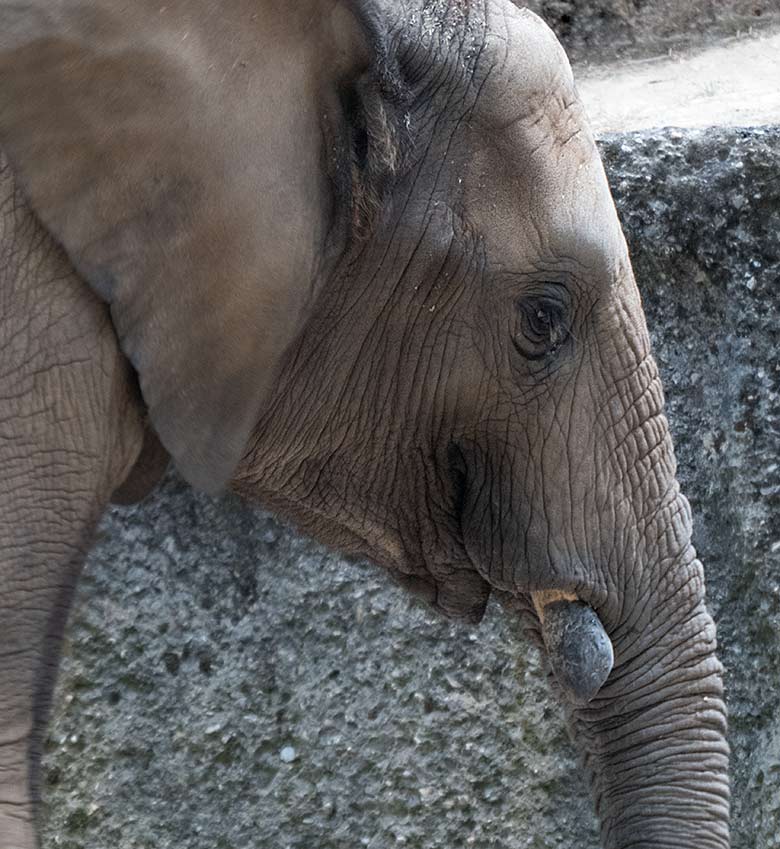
(175, 153)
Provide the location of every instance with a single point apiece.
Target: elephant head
(365, 263)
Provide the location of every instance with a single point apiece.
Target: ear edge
(147, 471)
(121, 253)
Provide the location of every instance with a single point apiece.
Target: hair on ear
(381, 122)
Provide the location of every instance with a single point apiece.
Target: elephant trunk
(655, 741)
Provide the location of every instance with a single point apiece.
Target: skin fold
(358, 262)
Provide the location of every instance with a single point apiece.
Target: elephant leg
(70, 430)
(35, 591)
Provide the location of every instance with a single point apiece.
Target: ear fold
(175, 152)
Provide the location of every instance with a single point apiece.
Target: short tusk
(578, 648)
(545, 597)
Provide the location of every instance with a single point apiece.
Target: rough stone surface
(229, 684)
(604, 30)
(208, 643)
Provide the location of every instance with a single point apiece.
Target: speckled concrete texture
(230, 685)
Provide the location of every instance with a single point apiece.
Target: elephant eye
(542, 327)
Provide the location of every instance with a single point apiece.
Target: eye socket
(542, 326)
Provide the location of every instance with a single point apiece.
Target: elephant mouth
(578, 647)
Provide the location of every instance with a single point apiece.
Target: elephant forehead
(523, 72)
(533, 176)
(543, 201)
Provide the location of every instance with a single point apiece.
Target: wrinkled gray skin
(363, 265)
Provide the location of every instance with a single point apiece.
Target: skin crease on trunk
(362, 261)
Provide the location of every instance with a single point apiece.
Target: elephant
(358, 262)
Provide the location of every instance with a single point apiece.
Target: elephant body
(357, 261)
